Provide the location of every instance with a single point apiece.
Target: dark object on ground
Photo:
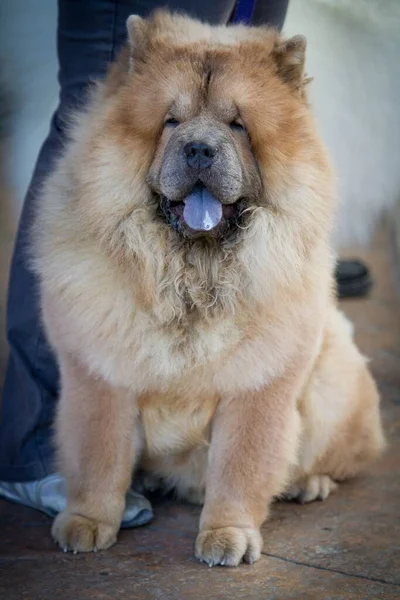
(353, 279)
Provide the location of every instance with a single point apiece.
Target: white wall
(353, 52)
(28, 68)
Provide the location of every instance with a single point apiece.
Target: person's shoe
(49, 496)
(352, 279)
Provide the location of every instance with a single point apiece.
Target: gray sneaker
(49, 496)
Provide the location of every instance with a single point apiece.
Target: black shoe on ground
(353, 279)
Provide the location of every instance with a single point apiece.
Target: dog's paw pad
(80, 534)
(228, 546)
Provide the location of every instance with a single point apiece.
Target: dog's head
(204, 171)
(217, 114)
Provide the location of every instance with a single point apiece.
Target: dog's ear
(137, 37)
(289, 56)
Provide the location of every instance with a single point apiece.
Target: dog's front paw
(82, 534)
(228, 546)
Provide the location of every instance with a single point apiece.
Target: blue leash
(243, 11)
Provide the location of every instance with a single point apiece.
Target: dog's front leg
(254, 440)
(95, 437)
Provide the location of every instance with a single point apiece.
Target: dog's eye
(171, 122)
(237, 126)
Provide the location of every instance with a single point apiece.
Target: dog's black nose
(199, 155)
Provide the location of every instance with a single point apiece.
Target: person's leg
(270, 12)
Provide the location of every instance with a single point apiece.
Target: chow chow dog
(185, 263)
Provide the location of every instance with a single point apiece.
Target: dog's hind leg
(339, 409)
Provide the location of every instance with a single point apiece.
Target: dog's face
(204, 170)
(214, 106)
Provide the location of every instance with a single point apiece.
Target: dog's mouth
(201, 213)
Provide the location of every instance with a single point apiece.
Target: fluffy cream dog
(183, 248)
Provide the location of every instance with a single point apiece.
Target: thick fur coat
(216, 363)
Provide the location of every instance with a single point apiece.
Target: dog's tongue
(202, 211)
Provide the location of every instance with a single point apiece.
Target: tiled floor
(343, 549)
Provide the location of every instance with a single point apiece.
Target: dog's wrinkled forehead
(196, 57)
(177, 60)
(203, 98)
(182, 69)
